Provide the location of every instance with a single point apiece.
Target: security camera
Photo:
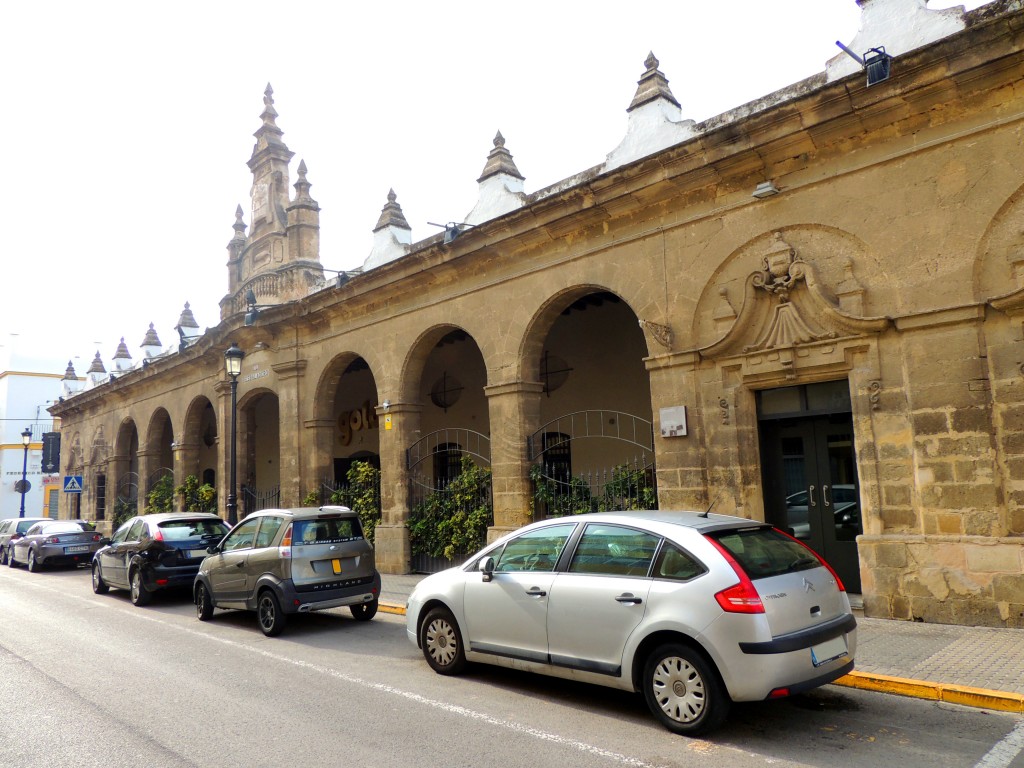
(386, 404)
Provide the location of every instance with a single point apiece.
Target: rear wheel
(683, 690)
(4, 556)
(269, 613)
(140, 596)
(204, 605)
(364, 611)
(10, 558)
(99, 586)
(33, 564)
(442, 643)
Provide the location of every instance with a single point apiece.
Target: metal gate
(126, 500)
(449, 478)
(627, 482)
(255, 499)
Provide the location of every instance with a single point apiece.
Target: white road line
(453, 709)
(1004, 753)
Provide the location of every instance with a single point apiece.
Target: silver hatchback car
(694, 610)
(282, 561)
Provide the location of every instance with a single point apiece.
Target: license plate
(830, 650)
(336, 565)
(78, 548)
(198, 553)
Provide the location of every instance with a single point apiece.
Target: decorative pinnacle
(70, 372)
(391, 214)
(97, 365)
(302, 185)
(499, 161)
(652, 85)
(239, 225)
(122, 352)
(268, 104)
(187, 319)
(151, 340)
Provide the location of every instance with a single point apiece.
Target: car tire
(138, 593)
(204, 603)
(10, 558)
(4, 556)
(364, 611)
(34, 565)
(441, 642)
(269, 613)
(99, 586)
(683, 690)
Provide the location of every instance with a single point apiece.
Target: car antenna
(707, 511)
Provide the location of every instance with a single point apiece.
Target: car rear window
(175, 530)
(765, 552)
(326, 531)
(63, 528)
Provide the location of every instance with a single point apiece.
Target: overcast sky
(128, 125)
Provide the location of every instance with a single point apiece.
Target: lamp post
(26, 438)
(233, 364)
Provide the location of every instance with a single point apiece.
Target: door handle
(824, 496)
(240, 564)
(536, 592)
(810, 496)
(628, 598)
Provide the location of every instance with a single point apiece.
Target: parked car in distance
(11, 529)
(845, 503)
(55, 542)
(155, 552)
(282, 561)
(693, 610)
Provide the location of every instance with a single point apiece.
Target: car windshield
(176, 530)
(326, 531)
(763, 552)
(53, 528)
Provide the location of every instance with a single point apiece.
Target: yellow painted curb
(395, 608)
(981, 698)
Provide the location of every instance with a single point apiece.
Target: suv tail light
(819, 558)
(285, 548)
(739, 598)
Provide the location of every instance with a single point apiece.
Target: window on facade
(210, 477)
(447, 463)
(557, 456)
(101, 496)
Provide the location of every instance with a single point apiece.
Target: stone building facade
(809, 310)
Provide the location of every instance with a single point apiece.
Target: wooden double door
(811, 488)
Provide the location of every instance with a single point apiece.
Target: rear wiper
(801, 561)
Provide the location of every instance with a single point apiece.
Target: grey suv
(282, 561)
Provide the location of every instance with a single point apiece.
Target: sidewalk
(972, 666)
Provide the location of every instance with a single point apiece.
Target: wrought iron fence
(255, 499)
(622, 487)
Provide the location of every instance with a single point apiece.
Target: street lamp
(233, 364)
(26, 438)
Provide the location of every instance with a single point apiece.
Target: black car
(154, 552)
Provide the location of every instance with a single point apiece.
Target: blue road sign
(72, 483)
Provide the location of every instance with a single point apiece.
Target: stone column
(399, 428)
(318, 438)
(515, 409)
(148, 463)
(222, 404)
(294, 484)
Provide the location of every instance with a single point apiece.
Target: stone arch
(200, 441)
(999, 261)
(419, 352)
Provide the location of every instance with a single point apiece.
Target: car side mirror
(104, 541)
(213, 549)
(486, 568)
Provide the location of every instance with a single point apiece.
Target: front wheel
(683, 690)
(33, 564)
(99, 586)
(442, 643)
(269, 613)
(364, 611)
(140, 596)
(204, 605)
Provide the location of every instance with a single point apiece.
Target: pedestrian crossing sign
(72, 484)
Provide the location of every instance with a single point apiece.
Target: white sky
(127, 127)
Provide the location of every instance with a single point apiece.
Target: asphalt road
(88, 680)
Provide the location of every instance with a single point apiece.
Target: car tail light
(96, 537)
(819, 558)
(285, 549)
(739, 598)
(53, 540)
(159, 535)
(15, 536)
(779, 693)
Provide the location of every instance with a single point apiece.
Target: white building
(29, 384)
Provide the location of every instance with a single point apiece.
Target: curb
(920, 689)
(963, 695)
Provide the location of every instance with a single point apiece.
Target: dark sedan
(155, 552)
(55, 542)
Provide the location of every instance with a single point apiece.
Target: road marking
(454, 709)
(1004, 753)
